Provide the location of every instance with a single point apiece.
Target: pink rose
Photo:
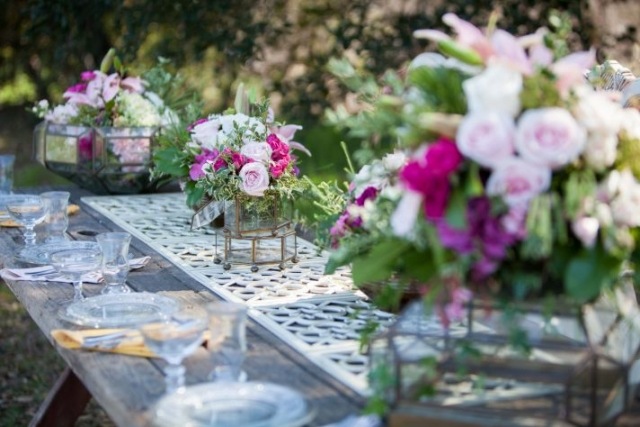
(549, 137)
(518, 181)
(255, 178)
(487, 137)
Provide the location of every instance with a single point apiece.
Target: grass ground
(29, 367)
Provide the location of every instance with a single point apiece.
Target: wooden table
(127, 387)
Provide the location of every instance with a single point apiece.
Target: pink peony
(255, 179)
(518, 181)
(486, 137)
(549, 137)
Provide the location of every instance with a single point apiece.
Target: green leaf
(589, 273)
(419, 265)
(379, 263)
(456, 214)
(167, 161)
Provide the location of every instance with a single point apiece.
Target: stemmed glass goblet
(28, 211)
(172, 339)
(75, 263)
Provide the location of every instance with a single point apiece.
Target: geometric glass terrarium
(105, 160)
(582, 367)
(258, 233)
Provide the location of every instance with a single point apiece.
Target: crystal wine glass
(75, 263)
(28, 211)
(173, 339)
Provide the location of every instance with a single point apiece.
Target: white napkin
(46, 273)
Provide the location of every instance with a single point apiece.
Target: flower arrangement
(103, 99)
(115, 106)
(241, 154)
(519, 178)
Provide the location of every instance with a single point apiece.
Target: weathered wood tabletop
(127, 387)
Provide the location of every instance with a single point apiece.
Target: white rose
(550, 137)
(205, 133)
(258, 151)
(597, 113)
(495, 89)
(255, 178)
(601, 150)
(486, 137)
(624, 207)
(518, 181)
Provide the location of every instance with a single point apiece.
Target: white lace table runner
(319, 315)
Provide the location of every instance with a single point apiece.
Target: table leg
(64, 403)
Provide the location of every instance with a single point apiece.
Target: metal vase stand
(582, 368)
(255, 236)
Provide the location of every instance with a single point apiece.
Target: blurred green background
(280, 48)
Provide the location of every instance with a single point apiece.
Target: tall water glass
(228, 342)
(6, 173)
(28, 211)
(115, 261)
(57, 219)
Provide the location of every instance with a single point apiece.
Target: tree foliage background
(278, 47)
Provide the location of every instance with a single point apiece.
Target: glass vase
(104, 160)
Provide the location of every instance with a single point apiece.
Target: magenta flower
(207, 156)
(429, 176)
(280, 149)
(484, 234)
(369, 193)
(277, 168)
(77, 88)
(87, 76)
(85, 146)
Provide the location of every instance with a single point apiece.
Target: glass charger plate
(41, 254)
(119, 310)
(223, 404)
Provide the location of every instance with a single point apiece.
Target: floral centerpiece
(519, 179)
(241, 154)
(105, 126)
(519, 185)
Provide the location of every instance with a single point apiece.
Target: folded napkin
(46, 273)
(131, 342)
(128, 341)
(71, 210)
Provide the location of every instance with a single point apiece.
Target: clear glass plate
(119, 310)
(41, 254)
(225, 404)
